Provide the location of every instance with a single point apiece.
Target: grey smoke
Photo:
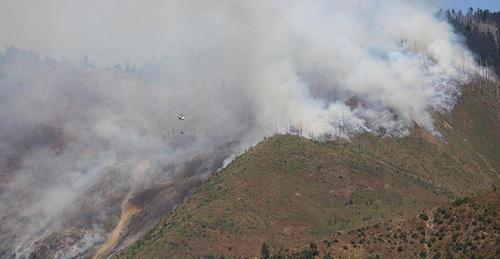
(239, 70)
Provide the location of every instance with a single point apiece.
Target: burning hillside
(86, 149)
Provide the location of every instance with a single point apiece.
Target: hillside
(467, 228)
(480, 29)
(288, 191)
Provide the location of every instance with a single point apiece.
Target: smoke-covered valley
(82, 145)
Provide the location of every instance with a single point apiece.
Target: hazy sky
(113, 31)
(493, 5)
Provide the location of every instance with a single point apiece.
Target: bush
(264, 251)
(423, 254)
(309, 253)
(461, 201)
(424, 217)
(314, 249)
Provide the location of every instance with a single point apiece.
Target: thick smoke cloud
(239, 70)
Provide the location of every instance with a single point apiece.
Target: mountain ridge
(288, 190)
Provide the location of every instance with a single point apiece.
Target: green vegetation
(481, 33)
(309, 252)
(292, 191)
(264, 251)
(468, 230)
(424, 217)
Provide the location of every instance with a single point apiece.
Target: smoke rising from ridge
(239, 70)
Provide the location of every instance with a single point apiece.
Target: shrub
(264, 251)
(309, 253)
(314, 249)
(461, 201)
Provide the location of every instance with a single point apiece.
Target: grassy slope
(289, 191)
(468, 228)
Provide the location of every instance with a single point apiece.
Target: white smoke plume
(240, 70)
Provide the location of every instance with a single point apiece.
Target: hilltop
(289, 191)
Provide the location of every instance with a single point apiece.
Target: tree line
(481, 32)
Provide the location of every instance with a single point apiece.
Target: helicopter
(181, 117)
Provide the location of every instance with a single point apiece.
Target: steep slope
(467, 228)
(289, 191)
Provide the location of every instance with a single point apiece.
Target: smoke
(72, 136)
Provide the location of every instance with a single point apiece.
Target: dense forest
(481, 30)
